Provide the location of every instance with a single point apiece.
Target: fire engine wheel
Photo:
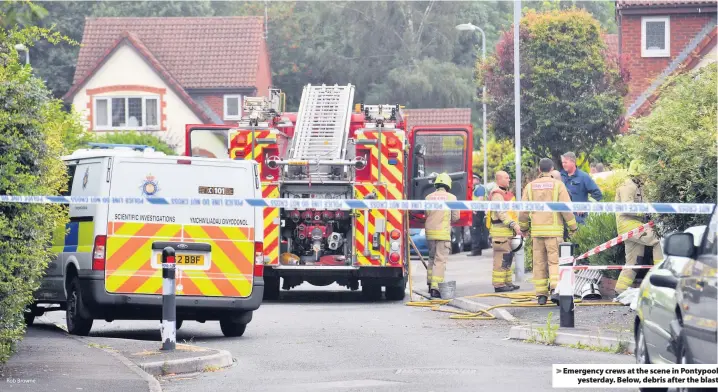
(396, 292)
(271, 288)
(231, 328)
(371, 292)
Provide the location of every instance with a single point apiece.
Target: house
(159, 74)
(658, 38)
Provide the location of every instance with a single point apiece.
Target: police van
(109, 256)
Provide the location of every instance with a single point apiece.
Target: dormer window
(655, 36)
(233, 107)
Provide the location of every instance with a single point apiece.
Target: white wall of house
(709, 58)
(127, 67)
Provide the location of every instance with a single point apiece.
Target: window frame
(226, 116)
(666, 52)
(109, 127)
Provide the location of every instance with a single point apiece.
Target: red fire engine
(333, 149)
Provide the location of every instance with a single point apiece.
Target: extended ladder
(323, 119)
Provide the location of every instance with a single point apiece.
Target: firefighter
(546, 229)
(438, 233)
(631, 192)
(504, 225)
(478, 225)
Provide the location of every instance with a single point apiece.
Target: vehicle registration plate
(187, 259)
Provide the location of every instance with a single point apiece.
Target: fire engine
(333, 149)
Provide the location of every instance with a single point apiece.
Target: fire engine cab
(333, 149)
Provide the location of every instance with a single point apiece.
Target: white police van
(108, 257)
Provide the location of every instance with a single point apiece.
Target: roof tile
(200, 52)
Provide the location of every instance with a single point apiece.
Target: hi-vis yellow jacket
(500, 223)
(546, 224)
(628, 192)
(438, 222)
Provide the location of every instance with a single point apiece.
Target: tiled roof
(201, 52)
(622, 4)
(451, 116)
(134, 41)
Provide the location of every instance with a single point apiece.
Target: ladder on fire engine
(323, 119)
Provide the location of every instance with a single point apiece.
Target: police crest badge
(150, 186)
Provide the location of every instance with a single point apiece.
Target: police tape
(407, 205)
(608, 267)
(615, 241)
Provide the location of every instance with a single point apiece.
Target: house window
(128, 113)
(232, 107)
(656, 36)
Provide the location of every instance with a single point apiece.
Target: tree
(677, 144)
(31, 134)
(571, 88)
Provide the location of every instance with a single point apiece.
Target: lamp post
(517, 98)
(23, 48)
(471, 27)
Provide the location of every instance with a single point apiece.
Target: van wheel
(231, 328)
(178, 324)
(29, 318)
(271, 288)
(76, 314)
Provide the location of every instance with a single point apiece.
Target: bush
(147, 139)
(598, 229)
(31, 133)
(677, 143)
(609, 185)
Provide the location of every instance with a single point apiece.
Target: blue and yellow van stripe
(76, 236)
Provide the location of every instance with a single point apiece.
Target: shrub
(141, 138)
(609, 185)
(677, 143)
(31, 133)
(598, 229)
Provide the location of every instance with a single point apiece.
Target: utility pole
(517, 97)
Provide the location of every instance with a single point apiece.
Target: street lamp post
(23, 48)
(471, 27)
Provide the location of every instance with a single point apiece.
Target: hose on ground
(518, 300)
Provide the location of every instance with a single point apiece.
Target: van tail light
(395, 234)
(98, 253)
(258, 259)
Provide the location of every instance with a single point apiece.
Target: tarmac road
(315, 341)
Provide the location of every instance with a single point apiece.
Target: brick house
(158, 74)
(658, 38)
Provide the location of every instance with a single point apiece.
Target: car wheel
(29, 319)
(178, 325)
(642, 356)
(231, 328)
(76, 313)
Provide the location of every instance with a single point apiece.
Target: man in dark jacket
(579, 184)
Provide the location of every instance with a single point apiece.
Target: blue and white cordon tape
(411, 205)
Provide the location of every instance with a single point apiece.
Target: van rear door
(214, 244)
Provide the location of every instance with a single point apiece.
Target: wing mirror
(664, 280)
(680, 245)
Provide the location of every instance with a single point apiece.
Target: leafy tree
(141, 138)
(677, 142)
(571, 88)
(31, 134)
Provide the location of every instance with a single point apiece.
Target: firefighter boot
(434, 293)
(554, 297)
(504, 289)
(542, 300)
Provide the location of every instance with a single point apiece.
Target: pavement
(603, 325)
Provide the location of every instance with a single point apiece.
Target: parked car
(460, 240)
(678, 303)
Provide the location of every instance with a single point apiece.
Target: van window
(71, 177)
(444, 153)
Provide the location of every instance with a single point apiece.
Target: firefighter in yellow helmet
(438, 233)
(546, 229)
(631, 192)
(504, 225)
